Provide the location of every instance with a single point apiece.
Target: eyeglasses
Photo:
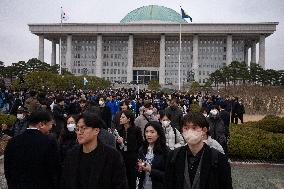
(80, 129)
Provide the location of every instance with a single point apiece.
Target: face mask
(71, 127)
(101, 103)
(149, 112)
(214, 113)
(192, 137)
(20, 116)
(165, 123)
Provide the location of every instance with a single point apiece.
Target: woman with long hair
(68, 138)
(152, 157)
(129, 141)
(173, 137)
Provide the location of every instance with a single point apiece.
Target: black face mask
(173, 107)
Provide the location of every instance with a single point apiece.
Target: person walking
(196, 165)
(129, 141)
(152, 157)
(31, 159)
(92, 164)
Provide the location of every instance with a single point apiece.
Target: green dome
(153, 14)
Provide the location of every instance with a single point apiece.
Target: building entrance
(144, 76)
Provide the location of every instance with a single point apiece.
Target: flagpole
(179, 54)
(60, 63)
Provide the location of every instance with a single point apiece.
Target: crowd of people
(120, 139)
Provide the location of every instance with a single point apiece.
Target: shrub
(194, 107)
(249, 142)
(7, 119)
(271, 123)
(154, 85)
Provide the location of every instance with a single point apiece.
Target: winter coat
(176, 116)
(157, 170)
(173, 138)
(32, 161)
(142, 120)
(107, 169)
(215, 171)
(60, 120)
(20, 126)
(217, 130)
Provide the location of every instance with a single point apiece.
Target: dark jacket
(236, 108)
(107, 138)
(176, 116)
(157, 170)
(213, 175)
(32, 161)
(106, 116)
(217, 129)
(134, 141)
(67, 141)
(19, 126)
(108, 169)
(60, 120)
(225, 116)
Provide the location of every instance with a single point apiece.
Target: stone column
(53, 53)
(246, 54)
(162, 59)
(130, 59)
(69, 53)
(261, 60)
(195, 58)
(253, 53)
(229, 50)
(41, 48)
(98, 71)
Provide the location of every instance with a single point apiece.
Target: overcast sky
(17, 43)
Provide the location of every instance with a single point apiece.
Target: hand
(147, 167)
(119, 140)
(140, 164)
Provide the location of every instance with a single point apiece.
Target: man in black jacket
(175, 112)
(92, 164)
(196, 165)
(225, 116)
(32, 158)
(60, 115)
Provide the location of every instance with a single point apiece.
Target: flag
(64, 16)
(185, 15)
(85, 82)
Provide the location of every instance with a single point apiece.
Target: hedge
(7, 119)
(249, 142)
(271, 123)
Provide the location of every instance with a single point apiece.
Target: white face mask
(71, 127)
(101, 103)
(192, 137)
(20, 116)
(165, 123)
(214, 112)
(149, 112)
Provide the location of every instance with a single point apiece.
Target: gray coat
(141, 121)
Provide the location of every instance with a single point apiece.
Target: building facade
(145, 46)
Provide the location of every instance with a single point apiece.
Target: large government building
(145, 46)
